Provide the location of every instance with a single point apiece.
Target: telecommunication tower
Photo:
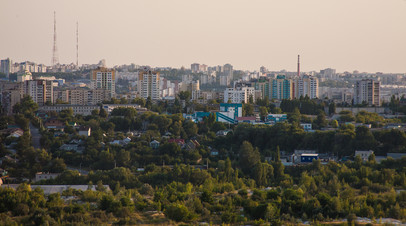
(77, 44)
(55, 59)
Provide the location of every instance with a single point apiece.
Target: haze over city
(364, 35)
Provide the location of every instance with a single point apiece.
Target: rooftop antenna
(55, 59)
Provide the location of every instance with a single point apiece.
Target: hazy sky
(364, 35)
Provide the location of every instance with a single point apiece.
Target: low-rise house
(45, 176)
(364, 154)
(275, 118)
(54, 124)
(306, 126)
(301, 156)
(308, 158)
(180, 142)
(122, 142)
(249, 119)
(154, 144)
(223, 132)
(16, 133)
(72, 147)
(73, 124)
(84, 131)
(192, 144)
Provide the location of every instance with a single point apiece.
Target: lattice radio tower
(55, 59)
(77, 44)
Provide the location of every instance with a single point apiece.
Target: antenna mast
(55, 59)
(77, 44)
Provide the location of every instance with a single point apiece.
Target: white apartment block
(239, 95)
(307, 86)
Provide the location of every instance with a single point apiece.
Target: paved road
(35, 136)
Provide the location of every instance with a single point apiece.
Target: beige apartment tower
(104, 78)
(148, 84)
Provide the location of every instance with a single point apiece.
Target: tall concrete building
(88, 97)
(149, 84)
(328, 73)
(11, 94)
(281, 88)
(103, 78)
(6, 66)
(193, 87)
(228, 70)
(239, 95)
(306, 86)
(195, 67)
(41, 91)
(26, 76)
(367, 91)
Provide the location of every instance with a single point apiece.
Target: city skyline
(346, 35)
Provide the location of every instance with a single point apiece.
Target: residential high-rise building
(367, 91)
(195, 67)
(239, 94)
(11, 94)
(193, 87)
(281, 88)
(88, 97)
(328, 73)
(224, 80)
(103, 78)
(149, 84)
(5, 67)
(307, 86)
(228, 71)
(41, 91)
(26, 76)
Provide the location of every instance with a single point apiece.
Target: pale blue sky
(364, 35)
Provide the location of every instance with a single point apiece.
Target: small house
(223, 132)
(16, 133)
(54, 124)
(85, 131)
(154, 144)
(45, 176)
(180, 142)
(364, 154)
(308, 158)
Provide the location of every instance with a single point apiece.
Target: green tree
(185, 95)
(178, 212)
(320, 121)
(26, 106)
(249, 157)
(190, 128)
(263, 112)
